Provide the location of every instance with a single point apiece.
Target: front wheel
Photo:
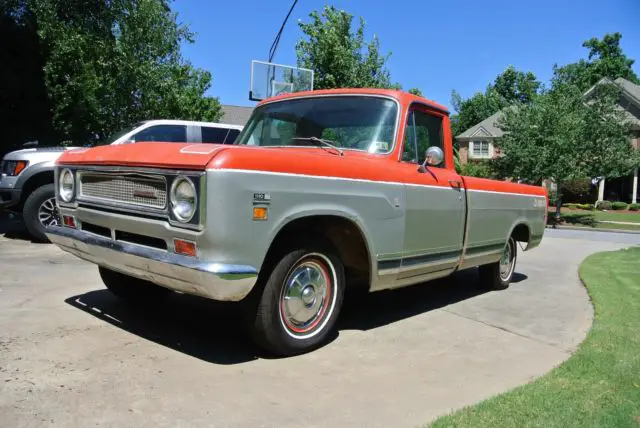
(498, 275)
(40, 211)
(300, 300)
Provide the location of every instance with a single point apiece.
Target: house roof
(486, 128)
(235, 115)
(632, 92)
(630, 88)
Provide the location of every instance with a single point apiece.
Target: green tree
(606, 59)
(25, 111)
(561, 136)
(509, 87)
(416, 91)
(516, 86)
(474, 110)
(109, 64)
(340, 57)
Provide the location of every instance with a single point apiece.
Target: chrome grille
(124, 189)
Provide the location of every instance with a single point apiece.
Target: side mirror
(433, 157)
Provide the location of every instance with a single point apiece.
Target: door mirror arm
(424, 168)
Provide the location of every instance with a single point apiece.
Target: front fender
(33, 170)
(297, 213)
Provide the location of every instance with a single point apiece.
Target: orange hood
(158, 155)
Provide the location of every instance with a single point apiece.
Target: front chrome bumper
(180, 273)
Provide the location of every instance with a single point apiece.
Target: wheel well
(345, 236)
(521, 233)
(39, 179)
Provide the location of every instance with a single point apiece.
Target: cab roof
(402, 96)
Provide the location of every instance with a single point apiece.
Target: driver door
(435, 202)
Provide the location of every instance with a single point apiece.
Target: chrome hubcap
(306, 296)
(48, 213)
(506, 262)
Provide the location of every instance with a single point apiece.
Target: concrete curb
(594, 229)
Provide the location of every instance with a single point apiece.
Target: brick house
(478, 143)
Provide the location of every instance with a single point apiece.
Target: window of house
(422, 131)
(166, 133)
(480, 149)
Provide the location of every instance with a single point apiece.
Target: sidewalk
(620, 222)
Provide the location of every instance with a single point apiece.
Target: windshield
(113, 137)
(349, 122)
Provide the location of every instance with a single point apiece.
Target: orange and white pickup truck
(322, 191)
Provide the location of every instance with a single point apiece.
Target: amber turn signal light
(259, 213)
(20, 165)
(187, 248)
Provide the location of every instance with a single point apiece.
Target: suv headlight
(12, 167)
(66, 185)
(183, 198)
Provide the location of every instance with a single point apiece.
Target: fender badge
(261, 197)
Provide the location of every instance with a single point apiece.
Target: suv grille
(127, 189)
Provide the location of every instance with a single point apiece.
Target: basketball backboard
(269, 79)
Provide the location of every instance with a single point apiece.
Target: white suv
(176, 131)
(26, 175)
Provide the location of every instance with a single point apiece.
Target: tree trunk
(558, 201)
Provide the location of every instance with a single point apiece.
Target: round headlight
(183, 199)
(66, 185)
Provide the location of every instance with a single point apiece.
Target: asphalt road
(73, 355)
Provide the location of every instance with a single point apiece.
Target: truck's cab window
(167, 133)
(422, 131)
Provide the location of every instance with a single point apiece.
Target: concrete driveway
(72, 355)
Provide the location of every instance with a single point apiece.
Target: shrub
(578, 206)
(480, 169)
(579, 191)
(634, 207)
(604, 205)
(618, 206)
(580, 219)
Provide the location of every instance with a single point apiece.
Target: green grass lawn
(599, 386)
(633, 217)
(584, 218)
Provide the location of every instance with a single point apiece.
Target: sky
(436, 46)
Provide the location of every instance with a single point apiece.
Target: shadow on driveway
(12, 227)
(213, 332)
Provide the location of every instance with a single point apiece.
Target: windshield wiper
(321, 142)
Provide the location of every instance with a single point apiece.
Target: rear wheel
(299, 301)
(498, 275)
(129, 288)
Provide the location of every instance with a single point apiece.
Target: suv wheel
(40, 211)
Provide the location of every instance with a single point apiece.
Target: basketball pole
(274, 46)
(276, 41)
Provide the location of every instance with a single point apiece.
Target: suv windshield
(364, 123)
(113, 137)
